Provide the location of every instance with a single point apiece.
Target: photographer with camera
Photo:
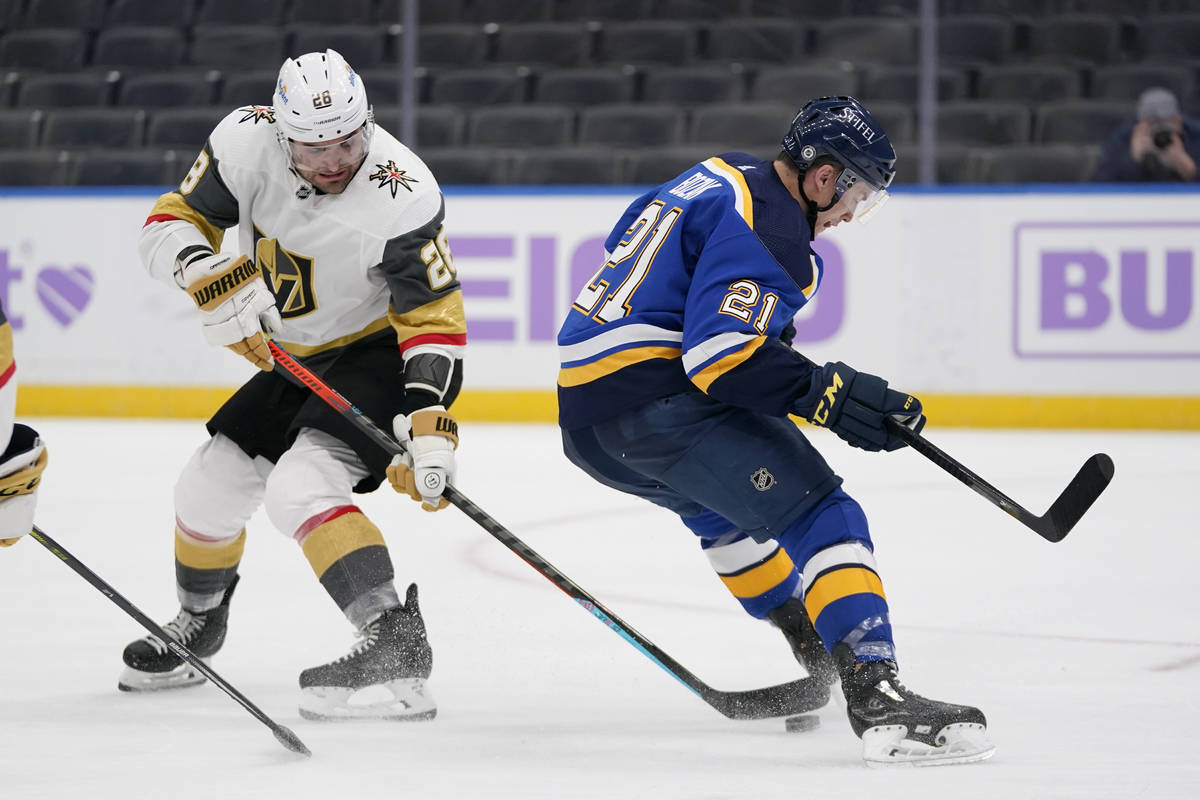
(1159, 146)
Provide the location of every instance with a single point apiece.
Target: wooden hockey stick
(1053, 526)
(794, 697)
(285, 736)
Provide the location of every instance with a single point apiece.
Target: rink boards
(998, 307)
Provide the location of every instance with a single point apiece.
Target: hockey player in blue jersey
(677, 379)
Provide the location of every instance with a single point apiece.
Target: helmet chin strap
(811, 209)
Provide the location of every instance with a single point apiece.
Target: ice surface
(1085, 655)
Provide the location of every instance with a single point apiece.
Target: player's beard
(337, 182)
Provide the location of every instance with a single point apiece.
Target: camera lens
(1162, 138)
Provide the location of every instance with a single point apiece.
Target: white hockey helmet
(319, 98)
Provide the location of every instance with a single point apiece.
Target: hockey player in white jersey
(22, 454)
(342, 258)
(677, 380)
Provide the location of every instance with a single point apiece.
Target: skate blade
(961, 743)
(405, 700)
(135, 680)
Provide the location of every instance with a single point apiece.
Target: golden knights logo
(762, 479)
(289, 276)
(392, 177)
(257, 114)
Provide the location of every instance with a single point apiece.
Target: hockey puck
(802, 722)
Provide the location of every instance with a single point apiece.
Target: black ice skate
(899, 727)
(150, 665)
(383, 677)
(792, 620)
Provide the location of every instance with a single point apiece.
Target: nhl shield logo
(762, 479)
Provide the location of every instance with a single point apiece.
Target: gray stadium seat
(49, 49)
(138, 48)
(609, 10)
(240, 12)
(980, 123)
(1006, 8)
(170, 89)
(565, 166)
(691, 86)
(756, 40)
(139, 167)
(150, 12)
(252, 88)
(1079, 121)
(361, 45)
(1085, 38)
(1031, 83)
(20, 127)
(474, 87)
(953, 164)
(797, 85)
(383, 84)
(1035, 164)
(653, 42)
(59, 90)
(866, 39)
(42, 167)
(755, 128)
(902, 84)
(1127, 81)
(233, 47)
(798, 9)
(85, 14)
(898, 120)
(508, 10)
(521, 126)
(430, 12)
(452, 45)
(696, 9)
(974, 38)
(94, 127)
(1168, 37)
(559, 44)
(586, 86)
(439, 126)
(651, 166)
(631, 125)
(457, 166)
(343, 12)
(183, 128)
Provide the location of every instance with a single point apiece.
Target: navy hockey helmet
(842, 128)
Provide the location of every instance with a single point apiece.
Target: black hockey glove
(855, 404)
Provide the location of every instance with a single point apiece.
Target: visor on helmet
(333, 156)
(861, 199)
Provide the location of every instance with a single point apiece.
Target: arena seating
(589, 91)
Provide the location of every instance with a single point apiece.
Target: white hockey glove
(20, 474)
(236, 306)
(429, 437)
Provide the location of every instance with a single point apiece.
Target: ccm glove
(430, 437)
(20, 475)
(236, 306)
(855, 404)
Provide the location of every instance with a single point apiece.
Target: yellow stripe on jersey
(743, 202)
(704, 378)
(338, 538)
(585, 373)
(172, 204)
(308, 349)
(761, 579)
(838, 584)
(443, 315)
(6, 347)
(209, 555)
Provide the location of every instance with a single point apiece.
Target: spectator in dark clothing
(1159, 146)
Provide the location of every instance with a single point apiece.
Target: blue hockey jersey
(703, 274)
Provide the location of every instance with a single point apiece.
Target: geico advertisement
(966, 293)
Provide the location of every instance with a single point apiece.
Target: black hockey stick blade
(1053, 526)
(285, 736)
(786, 699)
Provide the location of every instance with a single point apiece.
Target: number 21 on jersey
(640, 245)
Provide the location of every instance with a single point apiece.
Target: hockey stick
(794, 697)
(283, 734)
(1093, 477)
